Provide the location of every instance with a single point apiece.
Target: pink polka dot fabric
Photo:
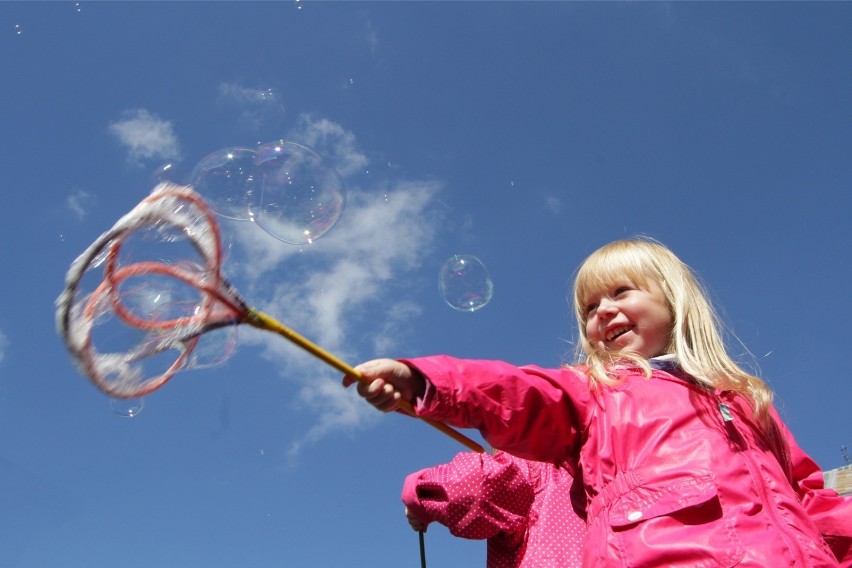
(523, 508)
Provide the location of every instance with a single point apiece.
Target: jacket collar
(667, 362)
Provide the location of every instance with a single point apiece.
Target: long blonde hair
(696, 336)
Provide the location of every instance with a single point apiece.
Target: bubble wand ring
(115, 373)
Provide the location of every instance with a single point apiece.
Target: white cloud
(554, 204)
(80, 202)
(397, 317)
(373, 243)
(257, 106)
(146, 136)
(340, 291)
(372, 37)
(4, 343)
(344, 412)
(332, 141)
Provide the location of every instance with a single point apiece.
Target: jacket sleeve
(534, 413)
(476, 496)
(830, 512)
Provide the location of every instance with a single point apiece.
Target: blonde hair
(696, 337)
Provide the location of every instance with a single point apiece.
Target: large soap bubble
(302, 196)
(464, 283)
(226, 179)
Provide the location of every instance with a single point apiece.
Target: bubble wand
(218, 304)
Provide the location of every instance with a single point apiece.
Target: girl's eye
(590, 308)
(621, 290)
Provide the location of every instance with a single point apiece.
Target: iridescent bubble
(226, 180)
(128, 408)
(302, 196)
(464, 283)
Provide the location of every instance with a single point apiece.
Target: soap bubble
(464, 283)
(156, 297)
(226, 180)
(128, 408)
(213, 348)
(302, 195)
(166, 172)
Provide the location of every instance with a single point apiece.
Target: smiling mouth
(617, 332)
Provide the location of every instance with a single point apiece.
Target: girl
(523, 508)
(683, 459)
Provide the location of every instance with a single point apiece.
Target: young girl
(683, 458)
(522, 508)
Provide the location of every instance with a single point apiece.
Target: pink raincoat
(674, 474)
(523, 508)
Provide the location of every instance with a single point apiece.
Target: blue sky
(527, 134)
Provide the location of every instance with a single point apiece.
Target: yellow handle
(263, 321)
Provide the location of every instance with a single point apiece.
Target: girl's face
(627, 317)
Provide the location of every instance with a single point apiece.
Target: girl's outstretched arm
(388, 382)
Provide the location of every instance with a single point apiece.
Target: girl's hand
(385, 382)
(416, 523)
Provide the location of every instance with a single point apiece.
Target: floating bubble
(162, 243)
(302, 196)
(213, 348)
(464, 283)
(159, 297)
(166, 172)
(128, 408)
(226, 180)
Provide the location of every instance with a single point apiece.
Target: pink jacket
(674, 475)
(522, 507)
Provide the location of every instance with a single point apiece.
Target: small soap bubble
(301, 197)
(127, 408)
(226, 179)
(464, 283)
(77, 6)
(166, 172)
(18, 29)
(298, 4)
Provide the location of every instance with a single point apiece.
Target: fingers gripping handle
(263, 321)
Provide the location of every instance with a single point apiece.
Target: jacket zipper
(728, 418)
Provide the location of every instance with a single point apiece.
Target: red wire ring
(114, 275)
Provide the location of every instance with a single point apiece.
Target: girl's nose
(606, 306)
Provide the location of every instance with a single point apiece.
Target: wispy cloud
(332, 141)
(342, 290)
(553, 204)
(373, 244)
(80, 202)
(256, 106)
(371, 36)
(146, 136)
(345, 296)
(4, 343)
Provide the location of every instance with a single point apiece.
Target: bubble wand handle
(263, 321)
